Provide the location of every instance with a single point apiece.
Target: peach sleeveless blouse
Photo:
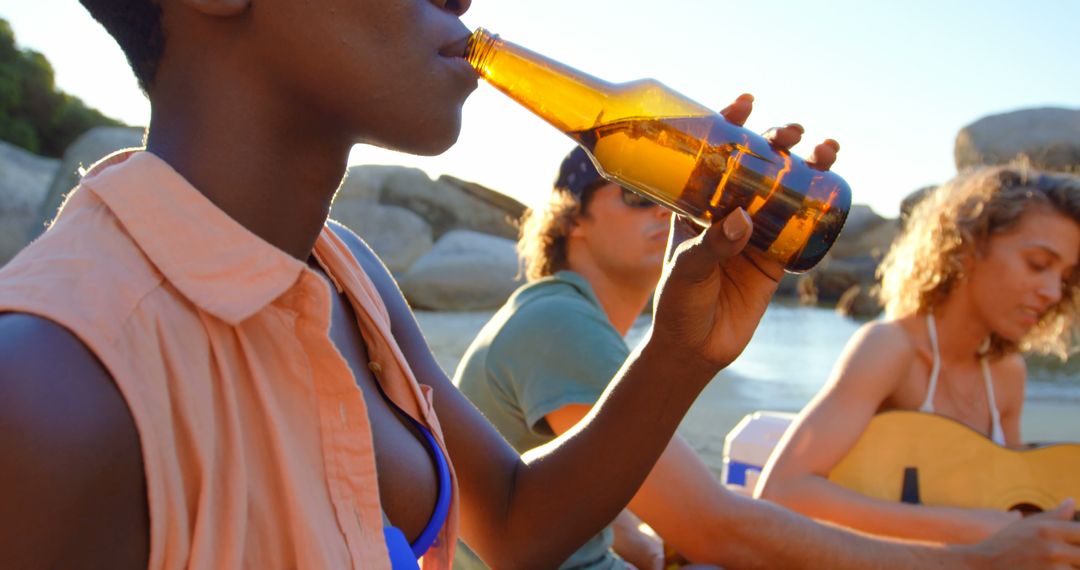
(257, 448)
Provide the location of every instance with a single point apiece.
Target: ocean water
(786, 362)
(793, 351)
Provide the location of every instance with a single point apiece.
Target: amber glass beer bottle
(647, 137)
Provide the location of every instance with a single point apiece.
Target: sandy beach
(731, 396)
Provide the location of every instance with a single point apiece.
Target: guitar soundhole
(1026, 509)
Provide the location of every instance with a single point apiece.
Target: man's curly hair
(958, 219)
(136, 26)
(542, 242)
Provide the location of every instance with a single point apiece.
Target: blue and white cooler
(747, 448)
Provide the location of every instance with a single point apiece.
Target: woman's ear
(218, 7)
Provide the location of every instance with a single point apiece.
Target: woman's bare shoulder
(70, 445)
(875, 362)
(891, 339)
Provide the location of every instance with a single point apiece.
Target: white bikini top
(996, 433)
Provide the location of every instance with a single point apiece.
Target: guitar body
(929, 459)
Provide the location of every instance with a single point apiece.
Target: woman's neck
(961, 331)
(255, 159)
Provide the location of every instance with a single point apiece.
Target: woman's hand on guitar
(1045, 540)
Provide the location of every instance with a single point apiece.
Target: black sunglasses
(634, 200)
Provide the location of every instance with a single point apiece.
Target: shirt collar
(579, 282)
(211, 259)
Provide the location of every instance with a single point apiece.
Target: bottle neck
(564, 97)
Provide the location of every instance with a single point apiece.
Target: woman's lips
(455, 48)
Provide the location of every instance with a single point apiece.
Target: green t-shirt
(550, 345)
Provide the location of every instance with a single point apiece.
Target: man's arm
(72, 489)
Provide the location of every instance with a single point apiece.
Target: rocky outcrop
(510, 208)
(846, 277)
(24, 181)
(365, 183)
(83, 153)
(446, 206)
(859, 302)
(1047, 139)
(464, 271)
(400, 211)
(911, 200)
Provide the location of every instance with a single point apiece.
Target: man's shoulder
(553, 316)
(551, 306)
(553, 297)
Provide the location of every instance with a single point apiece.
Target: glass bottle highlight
(647, 137)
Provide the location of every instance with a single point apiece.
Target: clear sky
(892, 81)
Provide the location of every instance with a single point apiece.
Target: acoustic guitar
(922, 458)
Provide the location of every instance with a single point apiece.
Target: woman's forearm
(817, 497)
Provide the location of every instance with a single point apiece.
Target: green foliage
(33, 113)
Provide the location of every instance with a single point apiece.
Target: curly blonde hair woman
(984, 270)
(927, 261)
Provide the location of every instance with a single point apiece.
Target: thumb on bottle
(720, 241)
(737, 225)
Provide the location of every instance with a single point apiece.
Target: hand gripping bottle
(651, 139)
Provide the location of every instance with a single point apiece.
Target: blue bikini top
(403, 556)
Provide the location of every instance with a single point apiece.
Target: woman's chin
(430, 140)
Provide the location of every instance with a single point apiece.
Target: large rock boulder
(911, 200)
(83, 153)
(834, 277)
(873, 242)
(447, 206)
(364, 183)
(510, 207)
(398, 236)
(464, 271)
(24, 181)
(862, 233)
(860, 302)
(859, 219)
(1046, 138)
(847, 273)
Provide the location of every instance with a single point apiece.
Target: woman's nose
(1051, 289)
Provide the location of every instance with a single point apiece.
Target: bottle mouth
(479, 48)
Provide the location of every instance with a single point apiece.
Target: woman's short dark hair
(136, 26)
